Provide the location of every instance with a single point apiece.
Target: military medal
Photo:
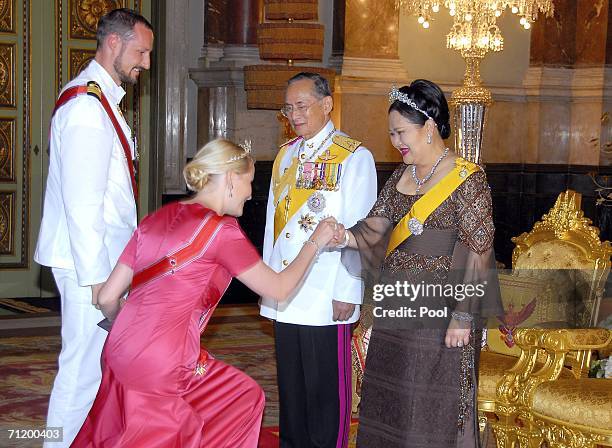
(319, 176)
(316, 202)
(307, 222)
(305, 175)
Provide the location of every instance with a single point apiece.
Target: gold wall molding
(7, 16)
(7, 75)
(27, 118)
(7, 149)
(568, 84)
(7, 222)
(84, 16)
(79, 58)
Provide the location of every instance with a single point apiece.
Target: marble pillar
(337, 52)
(174, 135)
(567, 84)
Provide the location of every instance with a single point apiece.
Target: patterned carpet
(236, 334)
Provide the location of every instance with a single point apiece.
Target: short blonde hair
(216, 157)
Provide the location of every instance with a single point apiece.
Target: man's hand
(342, 310)
(95, 289)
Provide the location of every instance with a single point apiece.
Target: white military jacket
(328, 279)
(89, 210)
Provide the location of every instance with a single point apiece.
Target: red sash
(180, 257)
(93, 89)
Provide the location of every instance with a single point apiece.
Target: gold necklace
(303, 159)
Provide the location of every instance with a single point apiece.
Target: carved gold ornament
(7, 145)
(7, 17)
(84, 16)
(7, 200)
(7, 79)
(79, 59)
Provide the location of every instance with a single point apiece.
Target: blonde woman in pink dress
(159, 387)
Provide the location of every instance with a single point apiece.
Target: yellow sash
(294, 198)
(431, 200)
(280, 181)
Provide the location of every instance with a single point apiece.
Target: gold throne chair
(559, 272)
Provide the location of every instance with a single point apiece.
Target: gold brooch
(327, 156)
(307, 222)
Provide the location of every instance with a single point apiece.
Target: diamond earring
(429, 138)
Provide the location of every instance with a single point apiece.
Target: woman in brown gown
(419, 386)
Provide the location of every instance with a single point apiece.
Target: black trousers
(314, 384)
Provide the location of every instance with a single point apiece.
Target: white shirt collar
(114, 92)
(315, 141)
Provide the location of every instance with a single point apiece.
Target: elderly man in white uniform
(321, 173)
(90, 210)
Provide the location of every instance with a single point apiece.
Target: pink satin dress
(159, 387)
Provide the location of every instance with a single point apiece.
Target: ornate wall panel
(7, 149)
(7, 75)
(7, 222)
(7, 16)
(15, 136)
(84, 15)
(79, 58)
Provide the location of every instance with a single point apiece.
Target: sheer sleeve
(235, 252)
(473, 256)
(372, 235)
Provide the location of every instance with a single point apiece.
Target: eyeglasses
(302, 109)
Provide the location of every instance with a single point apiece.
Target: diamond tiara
(396, 95)
(246, 146)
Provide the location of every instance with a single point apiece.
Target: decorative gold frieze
(7, 75)
(7, 220)
(7, 149)
(79, 59)
(84, 16)
(7, 16)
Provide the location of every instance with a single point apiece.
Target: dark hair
(428, 97)
(321, 86)
(121, 22)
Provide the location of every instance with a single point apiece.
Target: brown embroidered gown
(416, 392)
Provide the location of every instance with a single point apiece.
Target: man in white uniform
(321, 173)
(90, 210)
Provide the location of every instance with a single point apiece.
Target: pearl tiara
(396, 95)
(246, 147)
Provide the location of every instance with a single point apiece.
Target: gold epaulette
(289, 142)
(346, 142)
(93, 89)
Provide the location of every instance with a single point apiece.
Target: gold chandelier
(474, 33)
(475, 21)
